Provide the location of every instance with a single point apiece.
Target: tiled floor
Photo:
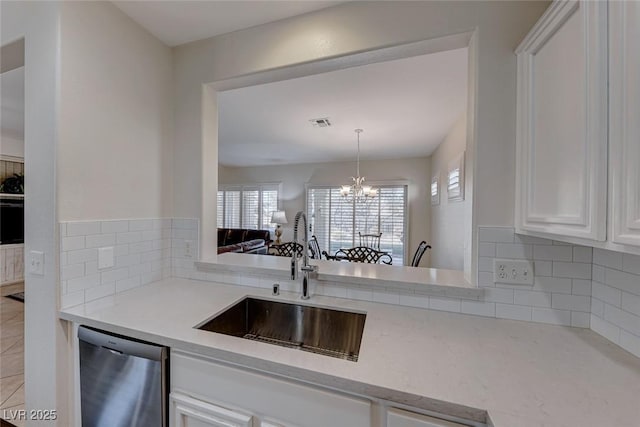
(11, 353)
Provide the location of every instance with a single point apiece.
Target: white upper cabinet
(624, 121)
(562, 123)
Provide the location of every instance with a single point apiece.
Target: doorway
(12, 400)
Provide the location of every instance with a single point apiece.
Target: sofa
(243, 240)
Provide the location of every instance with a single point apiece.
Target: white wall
(293, 177)
(11, 146)
(116, 115)
(46, 352)
(447, 218)
(98, 109)
(354, 27)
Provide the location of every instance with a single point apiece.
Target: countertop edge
(439, 289)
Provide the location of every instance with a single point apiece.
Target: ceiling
(12, 103)
(406, 108)
(178, 22)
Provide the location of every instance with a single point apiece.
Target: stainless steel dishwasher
(122, 382)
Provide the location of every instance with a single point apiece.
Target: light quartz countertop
(521, 374)
(436, 281)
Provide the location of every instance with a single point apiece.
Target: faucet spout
(306, 268)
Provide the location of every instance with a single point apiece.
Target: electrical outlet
(188, 248)
(515, 272)
(36, 263)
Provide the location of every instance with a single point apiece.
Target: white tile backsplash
(445, 304)
(552, 253)
(479, 308)
(607, 258)
(615, 298)
(573, 285)
(552, 316)
(142, 255)
(572, 270)
(532, 298)
(561, 293)
(513, 312)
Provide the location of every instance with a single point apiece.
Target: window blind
(247, 206)
(336, 223)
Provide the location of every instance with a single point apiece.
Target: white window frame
(262, 186)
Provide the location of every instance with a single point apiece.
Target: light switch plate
(36, 263)
(105, 258)
(513, 271)
(188, 248)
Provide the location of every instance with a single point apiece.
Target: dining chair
(364, 254)
(371, 240)
(286, 249)
(422, 248)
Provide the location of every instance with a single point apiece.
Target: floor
(11, 353)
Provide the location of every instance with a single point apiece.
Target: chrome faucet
(306, 268)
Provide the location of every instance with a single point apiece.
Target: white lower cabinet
(11, 263)
(189, 412)
(207, 393)
(400, 418)
(272, 402)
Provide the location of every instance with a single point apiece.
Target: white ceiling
(12, 103)
(178, 22)
(406, 108)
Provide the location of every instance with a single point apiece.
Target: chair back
(422, 248)
(364, 254)
(370, 240)
(314, 248)
(286, 249)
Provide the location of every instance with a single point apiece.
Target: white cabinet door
(624, 125)
(399, 418)
(562, 123)
(189, 412)
(269, 398)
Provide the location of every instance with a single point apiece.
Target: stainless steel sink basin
(318, 330)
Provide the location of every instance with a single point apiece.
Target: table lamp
(278, 218)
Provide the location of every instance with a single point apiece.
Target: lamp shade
(279, 217)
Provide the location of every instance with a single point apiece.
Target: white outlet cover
(106, 258)
(36, 263)
(513, 271)
(188, 248)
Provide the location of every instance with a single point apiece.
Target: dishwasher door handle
(112, 350)
(124, 346)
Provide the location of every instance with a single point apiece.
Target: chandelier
(358, 192)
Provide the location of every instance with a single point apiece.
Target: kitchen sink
(326, 331)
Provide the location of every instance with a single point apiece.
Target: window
(435, 191)
(455, 179)
(247, 206)
(336, 223)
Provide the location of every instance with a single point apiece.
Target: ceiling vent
(321, 123)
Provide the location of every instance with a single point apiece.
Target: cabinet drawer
(266, 397)
(399, 418)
